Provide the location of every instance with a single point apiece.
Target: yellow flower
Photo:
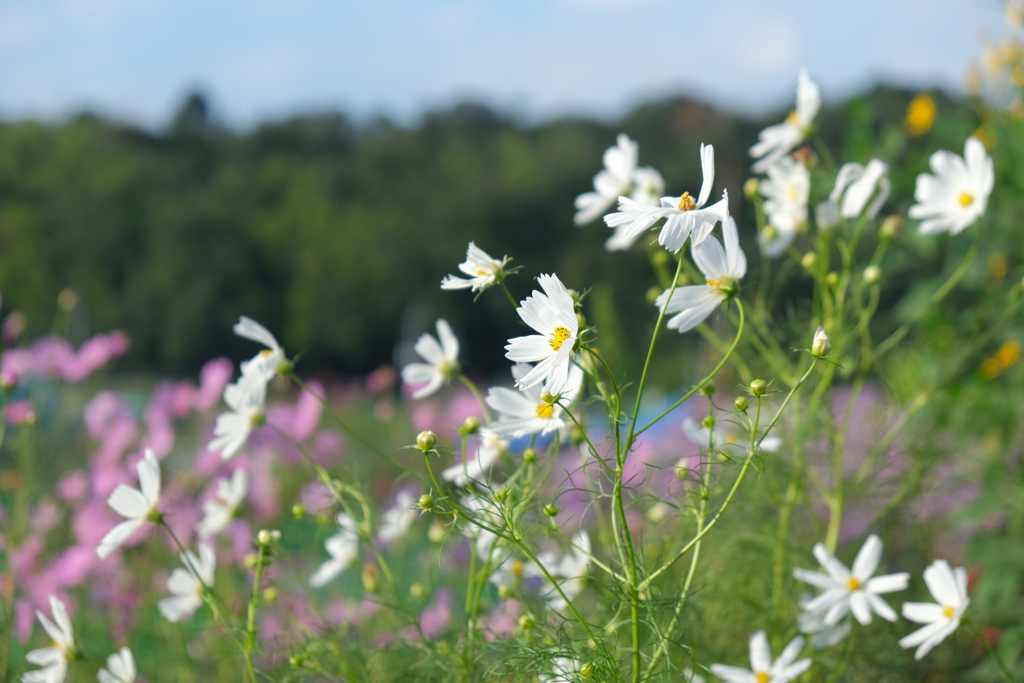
(920, 115)
(1006, 357)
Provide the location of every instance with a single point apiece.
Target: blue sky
(259, 59)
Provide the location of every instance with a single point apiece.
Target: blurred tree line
(336, 235)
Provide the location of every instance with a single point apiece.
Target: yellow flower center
(545, 410)
(793, 194)
(558, 337)
(965, 199)
(762, 677)
(517, 568)
(792, 118)
(481, 272)
(853, 584)
(258, 419)
(948, 612)
(726, 285)
(686, 202)
(265, 352)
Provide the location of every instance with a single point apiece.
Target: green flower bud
(270, 594)
(758, 387)
(427, 501)
(417, 591)
(550, 510)
(708, 422)
(741, 403)
(770, 232)
(298, 511)
(266, 536)
(525, 622)
(872, 274)
(500, 495)
(708, 389)
(370, 582)
(530, 455)
(890, 226)
(426, 441)
(809, 260)
(471, 425)
(832, 278)
(822, 345)
(587, 671)
(296, 661)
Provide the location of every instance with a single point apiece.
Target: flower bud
(890, 226)
(370, 573)
(506, 592)
(575, 296)
(548, 397)
(587, 670)
(751, 188)
(250, 560)
(682, 473)
(550, 510)
(708, 389)
(298, 511)
(417, 591)
(266, 536)
(581, 321)
(872, 274)
(832, 278)
(652, 294)
(501, 495)
(270, 594)
(741, 403)
(809, 260)
(530, 455)
(296, 661)
(525, 622)
(426, 441)
(822, 345)
(770, 232)
(471, 425)
(437, 532)
(427, 501)
(660, 258)
(708, 422)
(758, 387)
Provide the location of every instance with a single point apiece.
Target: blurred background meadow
(168, 167)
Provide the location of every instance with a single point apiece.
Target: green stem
(508, 295)
(476, 394)
(938, 296)
(991, 650)
(735, 487)
(250, 626)
(711, 375)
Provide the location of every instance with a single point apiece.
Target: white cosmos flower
(552, 314)
(478, 469)
(219, 511)
(395, 522)
(120, 668)
(442, 361)
(684, 217)
(137, 506)
(949, 588)
(727, 437)
(762, 669)
(856, 184)
(777, 141)
(573, 570)
(957, 194)
(187, 585)
(54, 659)
(246, 399)
(343, 548)
(855, 590)
(525, 412)
(620, 176)
(648, 187)
(785, 191)
(813, 623)
(483, 271)
(722, 268)
(268, 362)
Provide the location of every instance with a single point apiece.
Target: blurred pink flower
(20, 412)
(93, 355)
(381, 379)
(214, 376)
(73, 487)
(425, 416)
(436, 618)
(328, 446)
(44, 516)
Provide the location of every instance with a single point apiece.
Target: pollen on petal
(559, 336)
(965, 199)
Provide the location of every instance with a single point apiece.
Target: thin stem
(711, 375)
(991, 650)
(250, 627)
(735, 486)
(938, 296)
(476, 394)
(508, 295)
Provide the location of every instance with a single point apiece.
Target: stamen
(545, 410)
(686, 202)
(762, 677)
(965, 199)
(560, 334)
(482, 273)
(265, 352)
(793, 117)
(949, 612)
(853, 584)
